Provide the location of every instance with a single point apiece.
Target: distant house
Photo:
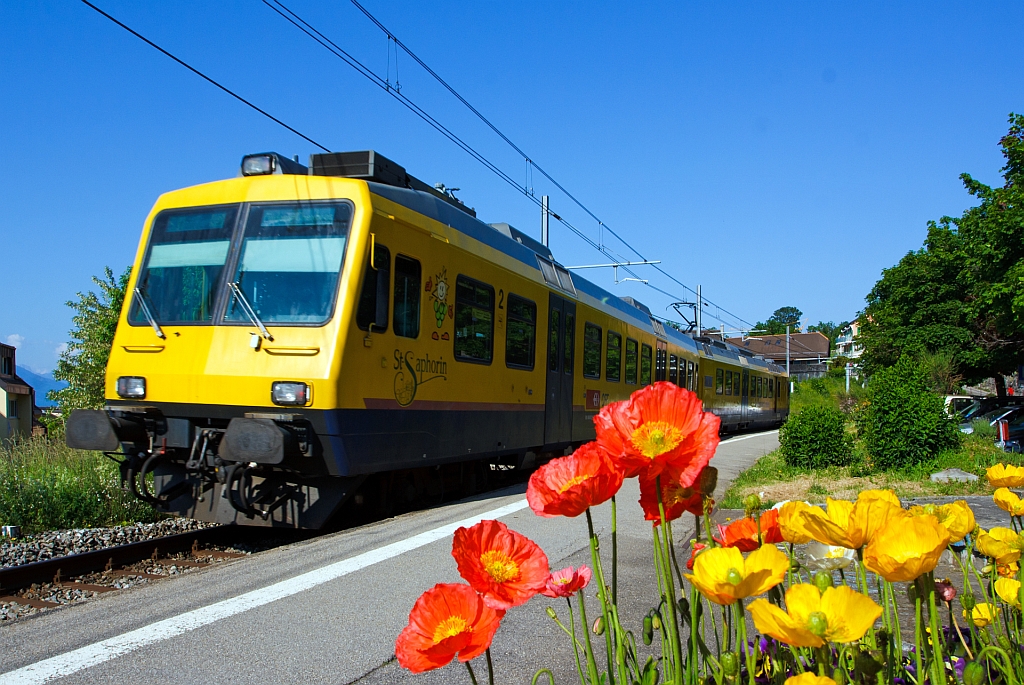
(846, 343)
(17, 398)
(808, 352)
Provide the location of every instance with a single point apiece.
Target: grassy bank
(44, 485)
(779, 482)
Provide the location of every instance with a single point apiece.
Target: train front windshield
(290, 261)
(187, 252)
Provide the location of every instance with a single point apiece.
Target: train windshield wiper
(249, 311)
(141, 299)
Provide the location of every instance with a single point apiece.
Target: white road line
(105, 650)
(747, 437)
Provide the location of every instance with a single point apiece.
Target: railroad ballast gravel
(59, 543)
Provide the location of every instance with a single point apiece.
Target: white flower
(821, 557)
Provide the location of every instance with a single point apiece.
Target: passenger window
(645, 365)
(373, 301)
(613, 357)
(474, 321)
(771, 388)
(631, 350)
(728, 382)
(570, 342)
(692, 376)
(760, 386)
(673, 369)
(521, 332)
(553, 322)
(407, 297)
(719, 382)
(591, 351)
(661, 361)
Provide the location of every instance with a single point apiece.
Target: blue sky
(777, 154)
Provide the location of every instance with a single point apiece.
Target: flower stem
(615, 555)
(575, 643)
(472, 676)
(591, 662)
(490, 668)
(602, 595)
(938, 667)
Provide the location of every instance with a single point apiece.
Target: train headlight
(131, 387)
(289, 393)
(259, 165)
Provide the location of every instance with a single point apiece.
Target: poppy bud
(867, 666)
(599, 626)
(1004, 642)
(974, 673)
(551, 613)
(967, 600)
(648, 630)
(751, 504)
(822, 581)
(656, 622)
(684, 606)
(945, 590)
(730, 664)
(708, 480)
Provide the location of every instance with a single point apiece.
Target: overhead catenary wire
(205, 77)
(530, 160)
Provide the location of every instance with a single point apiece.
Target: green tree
(83, 364)
(776, 323)
(962, 293)
(829, 329)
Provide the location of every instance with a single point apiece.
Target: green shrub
(903, 423)
(816, 438)
(45, 485)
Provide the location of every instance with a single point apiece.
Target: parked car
(992, 417)
(1016, 434)
(982, 405)
(955, 404)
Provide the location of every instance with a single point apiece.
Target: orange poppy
(743, 534)
(674, 497)
(698, 547)
(507, 568)
(660, 426)
(447, 620)
(567, 486)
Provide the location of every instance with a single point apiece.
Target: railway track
(76, 576)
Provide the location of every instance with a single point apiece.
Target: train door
(558, 401)
(744, 396)
(661, 361)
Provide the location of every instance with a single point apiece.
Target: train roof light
(266, 163)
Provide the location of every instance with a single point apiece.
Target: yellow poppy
(814, 618)
(789, 522)
(1009, 501)
(1005, 476)
(851, 524)
(723, 576)
(906, 548)
(1008, 590)
(983, 614)
(956, 517)
(1001, 544)
(809, 678)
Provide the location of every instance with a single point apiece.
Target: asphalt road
(328, 610)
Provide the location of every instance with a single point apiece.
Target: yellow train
(292, 331)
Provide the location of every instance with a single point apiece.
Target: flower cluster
(774, 569)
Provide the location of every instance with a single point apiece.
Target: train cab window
(631, 355)
(372, 313)
(474, 321)
(719, 381)
(520, 333)
(673, 369)
(289, 264)
(570, 344)
(591, 351)
(407, 297)
(613, 357)
(186, 253)
(645, 364)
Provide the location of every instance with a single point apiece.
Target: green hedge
(815, 438)
(903, 424)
